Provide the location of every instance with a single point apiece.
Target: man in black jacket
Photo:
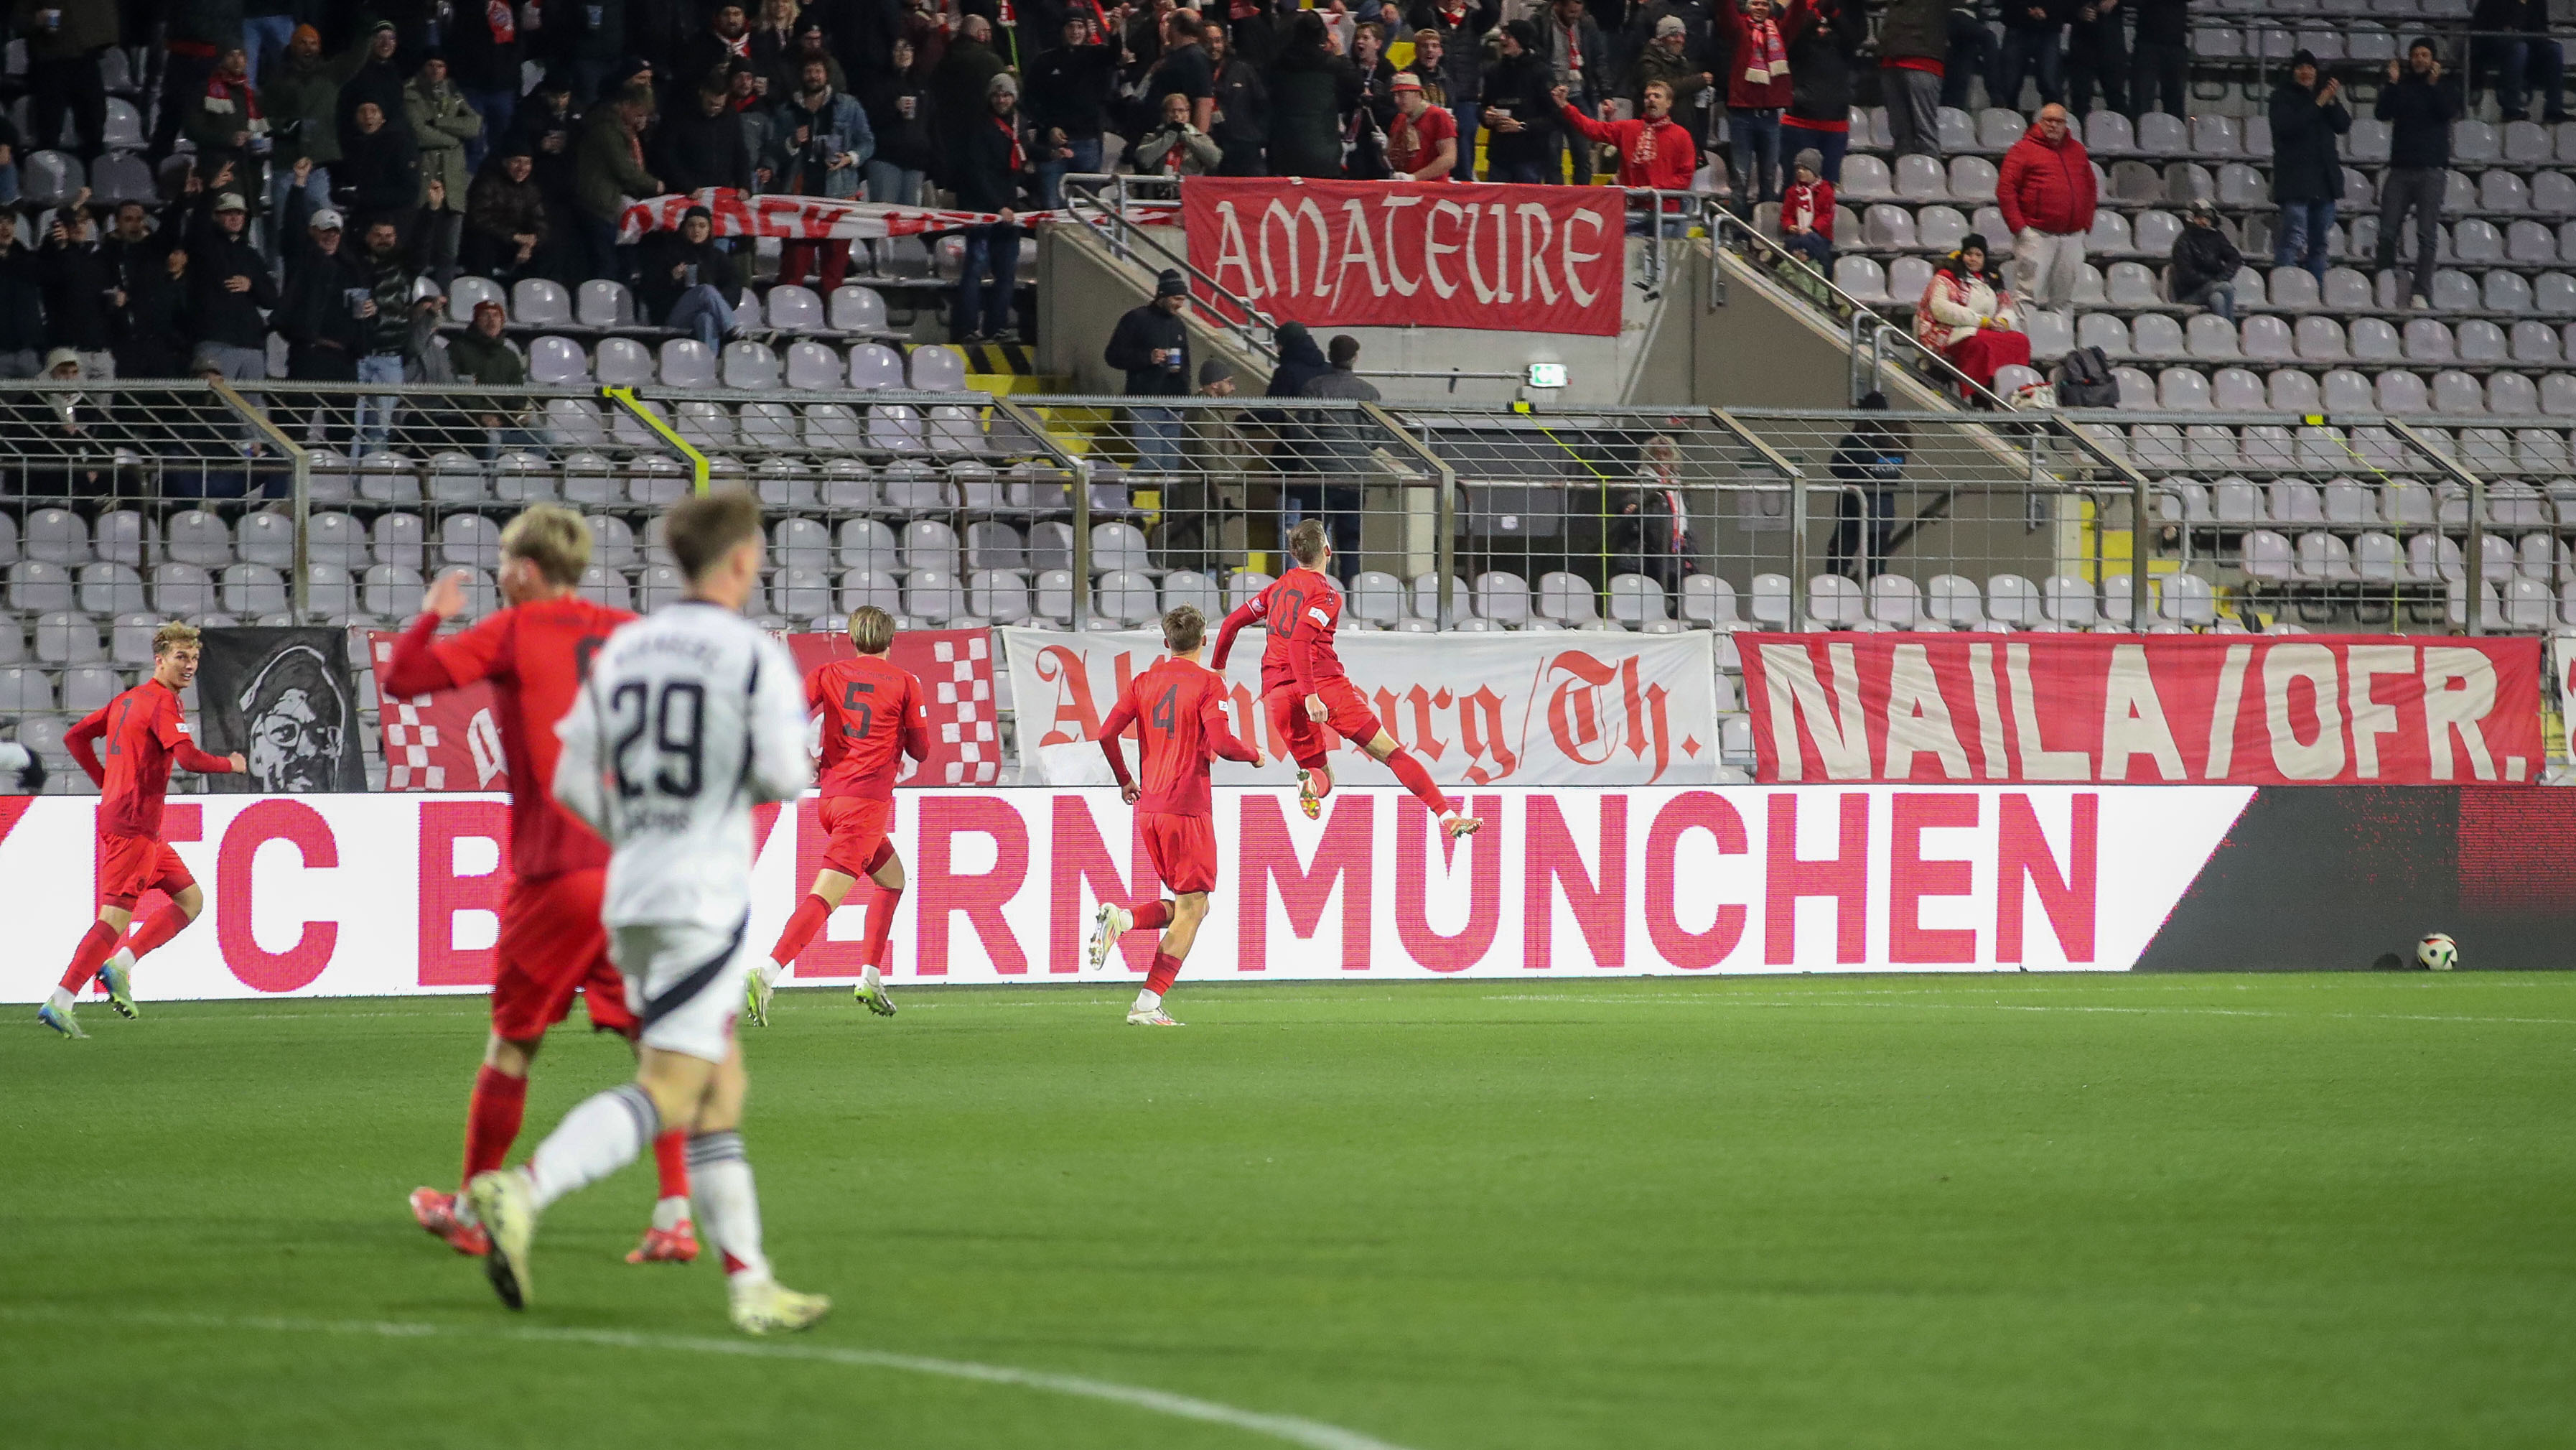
(2030, 48)
(1242, 108)
(318, 314)
(2307, 176)
(989, 158)
(2205, 263)
(2419, 109)
(2160, 56)
(228, 286)
(2514, 46)
(378, 173)
(1519, 110)
(78, 281)
(144, 310)
(2097, 53)
(22, 304)
(1152, 346)
(703, 145)
(1069, 92)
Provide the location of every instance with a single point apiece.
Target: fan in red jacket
(1655, 152)
(2047, 195)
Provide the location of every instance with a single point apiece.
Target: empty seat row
(685, 362)
(2346, 502)
(602, 303)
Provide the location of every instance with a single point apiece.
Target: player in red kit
(1178, 709)
(146, 734)
(552, 945)
(1301, 677)
(871, 716)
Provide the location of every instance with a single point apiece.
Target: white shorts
(684, 984)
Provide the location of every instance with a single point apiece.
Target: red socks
(166, 923)
(810, 915)
(492, 1119)
(1417, 780)
(1152, 916)
(1166, 967)
(671, 1159)
(92, 953)
(882, 901)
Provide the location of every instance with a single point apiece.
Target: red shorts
(552, 945)
(1183, 850)
(1346, 712)
(858, 830)
(128, 866)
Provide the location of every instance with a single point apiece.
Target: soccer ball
(2438, 952)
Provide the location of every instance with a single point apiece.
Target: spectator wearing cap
(1655, 151)
(481, 355)
(2048, 197)
(66, 41)
(1822, 43)
(22, 303)
(302, 101)
(2419, 108)
(1216, 380)
(2203, 268)
(508, 234)
(1520, 112)
(484, 53)
(2512, 43)
(1667, 58)
(1069, 93)
(608, 167)
(321, 314)
(688, 280)
(1758, 92)
(1968, 317)
(77, 282)
(2307, 176)
(441, 124)
(1422, 141)
(1460, 27)
(229, 287)
(1807, 210)
(1151, 345)
(548, 124)
(992, 165)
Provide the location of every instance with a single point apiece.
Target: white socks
(670, 1213)
(1147, 1002)
(768, 971)
(728, 1206)
(60, 1000)
(602, 1134)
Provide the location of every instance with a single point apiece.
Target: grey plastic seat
(2288, 288)
(793, 308)
(814, 367)
(857, 309)
(1956, 130)
(1908, 278)
(2155, 335)
(2401, 392)
(2106, 132)
(2262, 337)
(2428, 340)
(2452, 394)
(2553, 294)
(2137, 389)
(2154, 232)
(604, 303)
(1938, 227)
(2374, 340)
(2237, 390)
(2210, 337)
(1000, 595)
(1887, 227)
(2345, 290)
(1972, 178)
(2289, 390)
(750, 365)
(1862, 278)
(2476, 241)
(536, 302)
(875, 366)
(2110, 234)
(2109, 333)
(1866, 178)
(2050, 333)
(1503, 598)
(1921, 178)
(2529, 241)
(2553, 192)
(2479, 341)
(2511, 395)
(2506, 292)
(2131, 284)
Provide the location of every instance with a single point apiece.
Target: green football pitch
(1830, 1212)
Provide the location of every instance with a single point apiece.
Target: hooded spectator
(2048, 196)
(1870, 460)
(2307, 176)
(1520, 113)
(379, 171)
(1069, 93)
(2203, 269)
(1301, 361)
(1310, 90)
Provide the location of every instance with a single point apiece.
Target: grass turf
(2262, 1211)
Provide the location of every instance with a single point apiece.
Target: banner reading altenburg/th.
(1576, 708)
(283, 698)
(2231, 709)
(1406, 254)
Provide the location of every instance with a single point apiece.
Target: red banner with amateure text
(2214, 708)
(1420, 254)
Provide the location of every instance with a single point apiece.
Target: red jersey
(1412, 144)
(535, 655)
(147, 733)
(872, 717)
(1178, 709)
(1301, 610)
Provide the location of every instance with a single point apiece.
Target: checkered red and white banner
(1574, 708)
(450, 742)
(2213, 708)
(813, 218)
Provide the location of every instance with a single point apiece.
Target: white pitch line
(1896, 1001)
(1313, 1434)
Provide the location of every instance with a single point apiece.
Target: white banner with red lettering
(394, 895)
(1575, 708)
(450, 741)
(2239, 709)
(814, 218)
(1506, 258)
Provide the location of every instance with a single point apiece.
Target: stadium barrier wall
(396, 895)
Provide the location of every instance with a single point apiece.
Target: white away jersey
(690, 717)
